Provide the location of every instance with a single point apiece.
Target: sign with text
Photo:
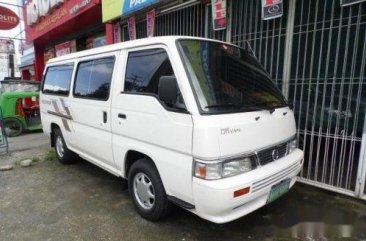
(150, 21)
(218, 14)
(131, 24)
(43, 16)
(350, 2)
(131, 6)
(272, 9)
(8, 19)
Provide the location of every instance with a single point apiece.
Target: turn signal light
(241, 192)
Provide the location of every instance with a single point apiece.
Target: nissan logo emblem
(275, 154)
(273, 9)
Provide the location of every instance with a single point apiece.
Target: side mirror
(168, 89)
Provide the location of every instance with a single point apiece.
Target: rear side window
(93, 79)
(144, 69)
(57, 80)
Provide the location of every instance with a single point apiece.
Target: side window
(93, 79)
(144, 69)
(57, 80)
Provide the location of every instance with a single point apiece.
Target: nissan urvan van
(187, 121)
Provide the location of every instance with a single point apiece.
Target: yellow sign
(111, 9)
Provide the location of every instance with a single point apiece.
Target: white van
(189, 121)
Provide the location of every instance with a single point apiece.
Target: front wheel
(147, 191)
(13, 127)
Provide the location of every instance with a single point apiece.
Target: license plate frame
(278, 190)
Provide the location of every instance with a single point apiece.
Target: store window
(93, 79)
(57, 80)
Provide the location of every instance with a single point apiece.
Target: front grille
(271, 154)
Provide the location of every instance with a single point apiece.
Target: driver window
(144, 69)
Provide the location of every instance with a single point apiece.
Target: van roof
(123, 45)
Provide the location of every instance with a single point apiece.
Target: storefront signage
(113, 9)
(219, 14)
(150, 20)
(79, 6)
(272, 9)
(350, 2)
(8, 19)
(56, 12)
(40, 8)
(131, 6)
(132, 27)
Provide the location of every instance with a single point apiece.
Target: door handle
(122, 116)
(105, 119)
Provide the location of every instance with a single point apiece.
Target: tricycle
(20, 105)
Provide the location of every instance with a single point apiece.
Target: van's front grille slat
(272, 154)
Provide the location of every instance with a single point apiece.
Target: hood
(218, 136)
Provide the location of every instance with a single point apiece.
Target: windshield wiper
(259, 108)
(222, 106)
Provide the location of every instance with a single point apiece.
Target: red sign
(8, 19)
(41, 21)
(218, 14)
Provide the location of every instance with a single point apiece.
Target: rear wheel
(64, 155)
(13, 127)
(147, 191)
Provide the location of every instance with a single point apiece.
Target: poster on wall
(150, 20)
(218, 14)
(132, 27)
(63, 49)
(350, 2)
(272, 9)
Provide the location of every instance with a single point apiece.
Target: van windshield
(228, 79)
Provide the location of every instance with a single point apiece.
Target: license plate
(278, 190)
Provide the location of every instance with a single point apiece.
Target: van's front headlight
(212, 170)
(292, 145)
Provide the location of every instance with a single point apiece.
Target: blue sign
(130, 6)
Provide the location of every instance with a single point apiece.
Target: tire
(147, 191)
(63, 154)
(13, 127)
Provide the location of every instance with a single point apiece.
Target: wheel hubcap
(144, 191)
(59, 147)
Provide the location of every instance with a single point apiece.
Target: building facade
(59, 27)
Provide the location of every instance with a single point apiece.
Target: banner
(117, 32)
(218, 14)
(350, 2)
(272, 9)
(132, 28)
(150, 20)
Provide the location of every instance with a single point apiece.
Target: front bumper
(214, 200)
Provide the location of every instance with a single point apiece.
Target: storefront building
(59, 27)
